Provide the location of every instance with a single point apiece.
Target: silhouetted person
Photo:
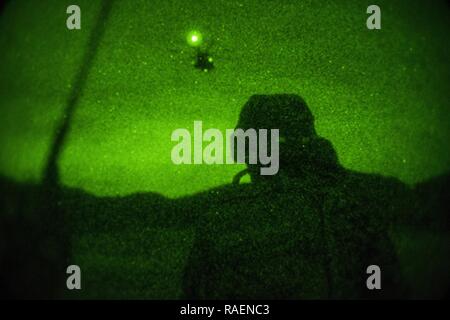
(310, 231)
(203, 61)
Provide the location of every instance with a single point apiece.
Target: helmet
(286, 112)
(300, 148)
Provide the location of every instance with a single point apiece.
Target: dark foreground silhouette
(310, 231)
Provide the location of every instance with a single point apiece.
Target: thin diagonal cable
(51, 173)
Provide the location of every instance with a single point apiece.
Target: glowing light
(194, 38)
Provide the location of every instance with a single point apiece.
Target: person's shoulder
(379, 197)
(375, 183)
(431, 201)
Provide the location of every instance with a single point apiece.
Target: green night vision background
(380, 96)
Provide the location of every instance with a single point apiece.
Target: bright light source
(194, 38)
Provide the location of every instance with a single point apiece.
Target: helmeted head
(299, 144)
(287, 112)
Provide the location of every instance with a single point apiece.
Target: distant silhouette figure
(309, 231)
(203, 61)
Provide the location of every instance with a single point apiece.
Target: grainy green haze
(380, 96)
